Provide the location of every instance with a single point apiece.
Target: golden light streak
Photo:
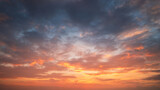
(71, 67)
(135, 48)
(132, 33)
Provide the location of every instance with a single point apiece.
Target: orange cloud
(107, 55)
(71, 67)
(14, 65)
(135, 48)
(40, 62)
(132, 33)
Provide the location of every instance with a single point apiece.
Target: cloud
(104, 79)
(81, 38)
(3, 17)
(156, 77)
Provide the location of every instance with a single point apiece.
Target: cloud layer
(81, 43)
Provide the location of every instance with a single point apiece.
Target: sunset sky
(79, 44)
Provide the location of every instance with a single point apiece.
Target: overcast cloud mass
(80, 44)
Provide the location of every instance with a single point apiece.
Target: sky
(80, 44)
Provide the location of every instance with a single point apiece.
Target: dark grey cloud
(151, 71)
(99, 17)
(84, 13)
(156, 77)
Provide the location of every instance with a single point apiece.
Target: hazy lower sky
(80, 44)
